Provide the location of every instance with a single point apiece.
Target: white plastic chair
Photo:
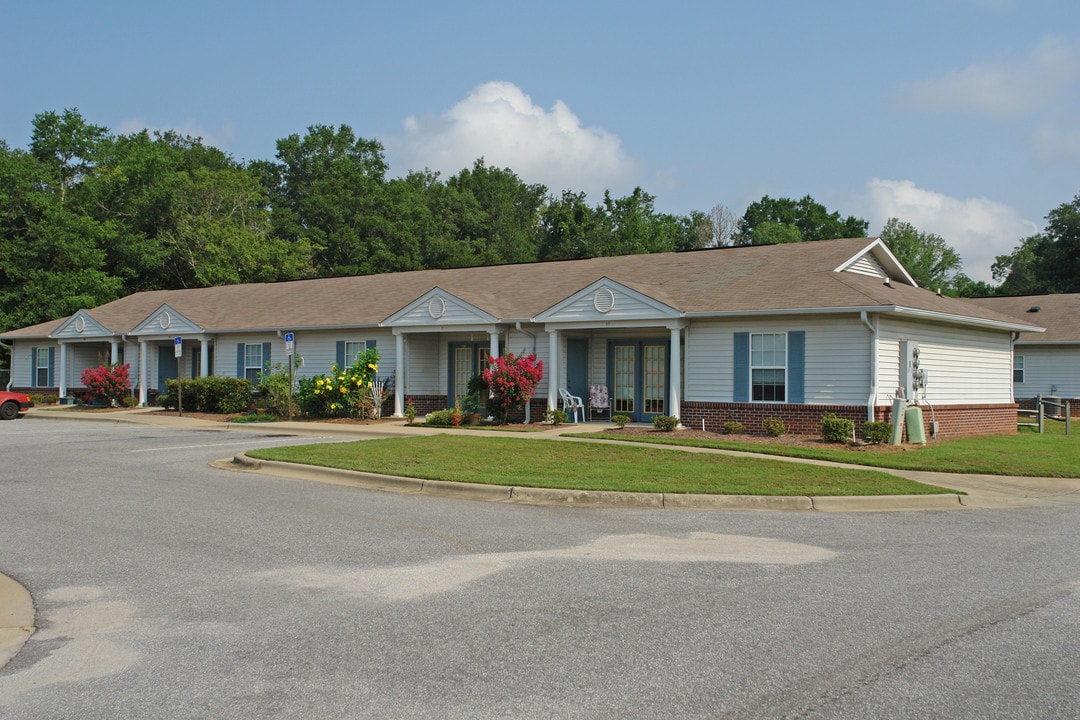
(572, 405)
(599, 401)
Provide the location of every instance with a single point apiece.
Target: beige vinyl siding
(965, 365)
(837, 358)
(1049, 370)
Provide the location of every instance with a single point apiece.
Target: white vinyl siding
(1049, 370)
(964, 364)
(837, 357)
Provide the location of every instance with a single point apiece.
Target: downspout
(517, 326)
(872, 400)
(11, 365)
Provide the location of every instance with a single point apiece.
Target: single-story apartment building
(1044, 364)
(708, 336)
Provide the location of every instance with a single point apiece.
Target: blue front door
(638, 372)
(577, 367)
(166, 367)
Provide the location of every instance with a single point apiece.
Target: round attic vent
(165, 320)
(436, 307)
(604, 300)
(80, 324)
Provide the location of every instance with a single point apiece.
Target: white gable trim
(438, 308)
(883, 257)
(607, 301)
(81, 326)
(167, 322)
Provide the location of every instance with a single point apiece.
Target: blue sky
(959, 116)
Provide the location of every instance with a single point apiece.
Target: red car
(11, 404)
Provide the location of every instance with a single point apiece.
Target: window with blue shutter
(796, 370)
(741, 391)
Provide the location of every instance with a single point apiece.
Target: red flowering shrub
(512, 379)
(107, 383)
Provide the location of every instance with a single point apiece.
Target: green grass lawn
(1052, 454)
(590, 466)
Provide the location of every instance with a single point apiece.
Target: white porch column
(204, 358)
(399, 375)
(553, 370)
(493, 344)
(62, 374)
(676, 372)
(114, 352)
(142, 373)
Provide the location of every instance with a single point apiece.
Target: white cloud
(1000, 87)
(979, 229)
(499, 122)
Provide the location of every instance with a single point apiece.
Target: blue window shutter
(796, 369)
(33, 367)
(340, 354)
(741, 391)
(52, 366)
(240, 360)
(266, 357)
(370, 344)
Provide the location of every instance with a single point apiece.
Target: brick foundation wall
(424, 404)
(963, 420)
(952, 420)
(798, 419)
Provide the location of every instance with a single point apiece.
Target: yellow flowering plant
(344, 392)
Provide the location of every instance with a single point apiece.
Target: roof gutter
(871, 401)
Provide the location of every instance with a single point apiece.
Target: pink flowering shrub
(107, 383)
(512, 379)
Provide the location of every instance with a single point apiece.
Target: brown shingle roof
(722, 280)
(1059, 314)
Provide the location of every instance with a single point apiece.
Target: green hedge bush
(666, 423)
(209, 394)
(774, 426)
(733, 427)
(837, 429)
(877, 433)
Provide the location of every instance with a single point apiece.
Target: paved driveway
(168, 589)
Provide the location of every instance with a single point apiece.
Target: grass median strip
(1049, 455)
(590, 466)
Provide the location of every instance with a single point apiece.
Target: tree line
(88, 216)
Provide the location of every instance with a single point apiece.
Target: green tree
(1048, 262)
(931, 261)
(326, 191)
(496, 213)
(569, 227)
(812, 220)
(66, 144)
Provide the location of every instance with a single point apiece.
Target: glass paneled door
(638, 374)
(466, 362)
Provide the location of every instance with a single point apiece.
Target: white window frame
(41, 362)
(357, 347)
(763, 360)
(1018, 367)
(248, 367)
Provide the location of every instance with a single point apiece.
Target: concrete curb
(16, 618)
(588, 498)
